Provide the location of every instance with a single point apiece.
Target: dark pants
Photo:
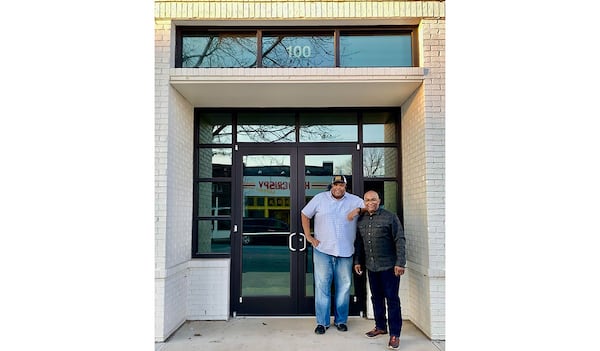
(384, 287)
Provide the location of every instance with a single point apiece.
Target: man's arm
(399, 241)
(306, 228)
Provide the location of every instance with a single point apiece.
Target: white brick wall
(208, 295)
(180, 179)
(433, 36)
(423, 156)
(414, 204)
(173, 178)
(161, 120)
(170, 299)
(295, 9)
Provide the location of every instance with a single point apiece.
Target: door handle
(303, 241)
(290, 241)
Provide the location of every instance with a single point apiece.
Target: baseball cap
(338, 179)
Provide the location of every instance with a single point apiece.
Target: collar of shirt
(334, 198)
(377, 212)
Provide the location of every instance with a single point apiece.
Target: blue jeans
(384, 286)
(326, 269)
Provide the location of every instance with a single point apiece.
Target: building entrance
(254, 171)
(274, 270)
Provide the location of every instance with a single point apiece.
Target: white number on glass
(299, 51)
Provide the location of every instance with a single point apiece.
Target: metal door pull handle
(290, 242)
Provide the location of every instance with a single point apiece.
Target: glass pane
(266, 127)
(389, 50)
(218, 158)
(289, 50)
(215, 128)
(219, 50)
(214, 199)
(388, 193)
(266, 226)
(328, 127)
(379, 127)
(380, 161)
(318, 170)
(214, 236)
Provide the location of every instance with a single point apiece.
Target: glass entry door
(272, 259)
(268, 246)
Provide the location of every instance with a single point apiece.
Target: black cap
(338, 179)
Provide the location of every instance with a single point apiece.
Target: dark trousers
(384, 288)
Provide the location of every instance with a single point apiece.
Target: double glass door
(273, 270)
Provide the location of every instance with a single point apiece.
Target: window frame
(234, 112)
(260, 31)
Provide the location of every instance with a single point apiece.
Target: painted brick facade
(208, 296)
(423, 157)
(195, 289)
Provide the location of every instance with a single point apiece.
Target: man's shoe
(341, 327)
(394, 342)
(320, 329)
(375, 333)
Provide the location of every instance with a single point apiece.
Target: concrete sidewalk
(290, 334)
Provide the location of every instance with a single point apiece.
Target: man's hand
(355, 212)
(398, 271)
(313, 241)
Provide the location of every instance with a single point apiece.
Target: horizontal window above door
(215, 47)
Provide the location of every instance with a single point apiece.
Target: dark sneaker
(394, 342)
(341, 327)
(320, 329)
(375, 333)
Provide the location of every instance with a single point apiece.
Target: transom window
(284, 47)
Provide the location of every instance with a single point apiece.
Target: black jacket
(380, 242)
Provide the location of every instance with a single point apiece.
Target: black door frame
(297, 303)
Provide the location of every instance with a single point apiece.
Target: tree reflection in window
(266, 133)
(298, 51)
(298, 48)
(229, 50)
(380, 161)
(219, 50)
(273, 133)
(274, 127)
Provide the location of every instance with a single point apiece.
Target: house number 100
(298, 51)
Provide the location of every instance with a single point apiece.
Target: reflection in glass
(298, 51)
(328, 127)
(214, 199)
(266, 225)
(219, 50)
(219, 158)
(318, 170)
(214, 236)
(389, 50)
(266, 127)
(380, 161)
(379, 127)
(215, 128)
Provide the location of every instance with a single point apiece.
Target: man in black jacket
(380, 246)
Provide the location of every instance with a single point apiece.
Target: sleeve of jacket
(400, 242)
(359, 249)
